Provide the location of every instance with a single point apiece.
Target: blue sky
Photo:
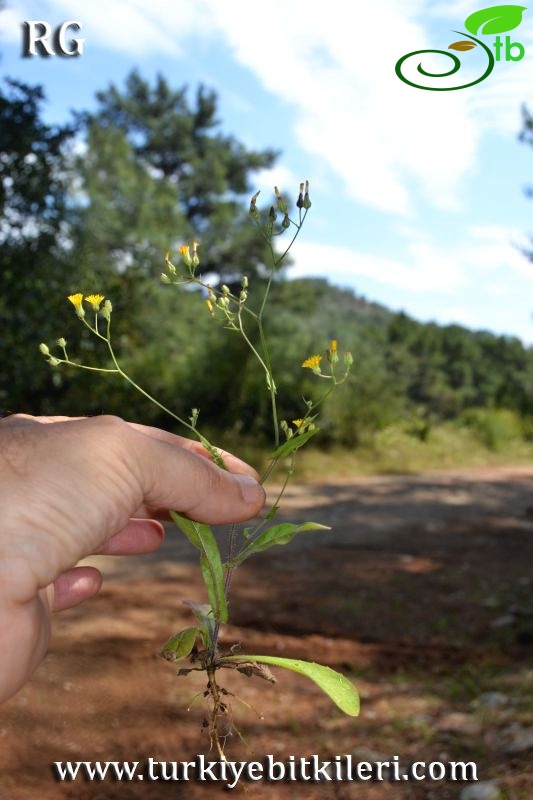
(418, 197)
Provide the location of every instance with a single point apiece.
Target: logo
(487, 21)
(38, 38)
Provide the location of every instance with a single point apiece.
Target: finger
(233, 463)
(172, 477)
(28, 419)
(139, 536)
(75, 586)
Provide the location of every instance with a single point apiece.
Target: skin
(73, 487)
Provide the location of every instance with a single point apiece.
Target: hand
(78, 486)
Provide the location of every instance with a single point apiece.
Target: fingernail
(251, 491)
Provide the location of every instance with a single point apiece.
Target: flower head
(94, 300)
(76, 299)
(77, 302)
(297, 422)
(313, 362)
(333, 346)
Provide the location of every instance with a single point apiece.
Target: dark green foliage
(33, 218)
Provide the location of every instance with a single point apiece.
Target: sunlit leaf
(462, 45)
(279, 534)
(293, 444)
(496, 19)
(335, 685)
(201, 536)
(180, 645)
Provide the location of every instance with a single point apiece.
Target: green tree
(158, 171)
(34, 266)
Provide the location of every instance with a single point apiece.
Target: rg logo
(38, 38)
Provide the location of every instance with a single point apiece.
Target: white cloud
(279, 175)
(10, 21)
(333, 68)
(490, 255)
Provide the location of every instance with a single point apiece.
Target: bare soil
(421, 594)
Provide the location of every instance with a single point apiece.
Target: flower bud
(45, 350)
(253, 208)
(286, 222)
(225, 289)
(243, 296)
(61, 342)
(244, 282)
(54, 362)
(195, 260)
(348, 359)
(300, 201)
(165, 278)
(272, 214)
(307, 203)
(282, 205)
(107, 308)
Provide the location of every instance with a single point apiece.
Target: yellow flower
(77, 302)
(185, 252)
(76, 299)
(333, 345)
(94, 300)
(297, 422)
(209, 305)
(313, 362)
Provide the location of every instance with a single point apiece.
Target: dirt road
(421, 594)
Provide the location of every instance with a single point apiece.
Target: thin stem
(141, 390)
(272, 387)
(250, 345)
(83, 366)
(266, 518)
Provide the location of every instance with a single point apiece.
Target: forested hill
(403, 367)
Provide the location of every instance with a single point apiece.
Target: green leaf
(496, 19)
(204, 613)
(180, 645)
(279, 534)
(201, 536)
(335, 685)
(293, 444)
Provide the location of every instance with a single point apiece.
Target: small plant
(197, 648)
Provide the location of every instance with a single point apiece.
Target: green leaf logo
(496, 19)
